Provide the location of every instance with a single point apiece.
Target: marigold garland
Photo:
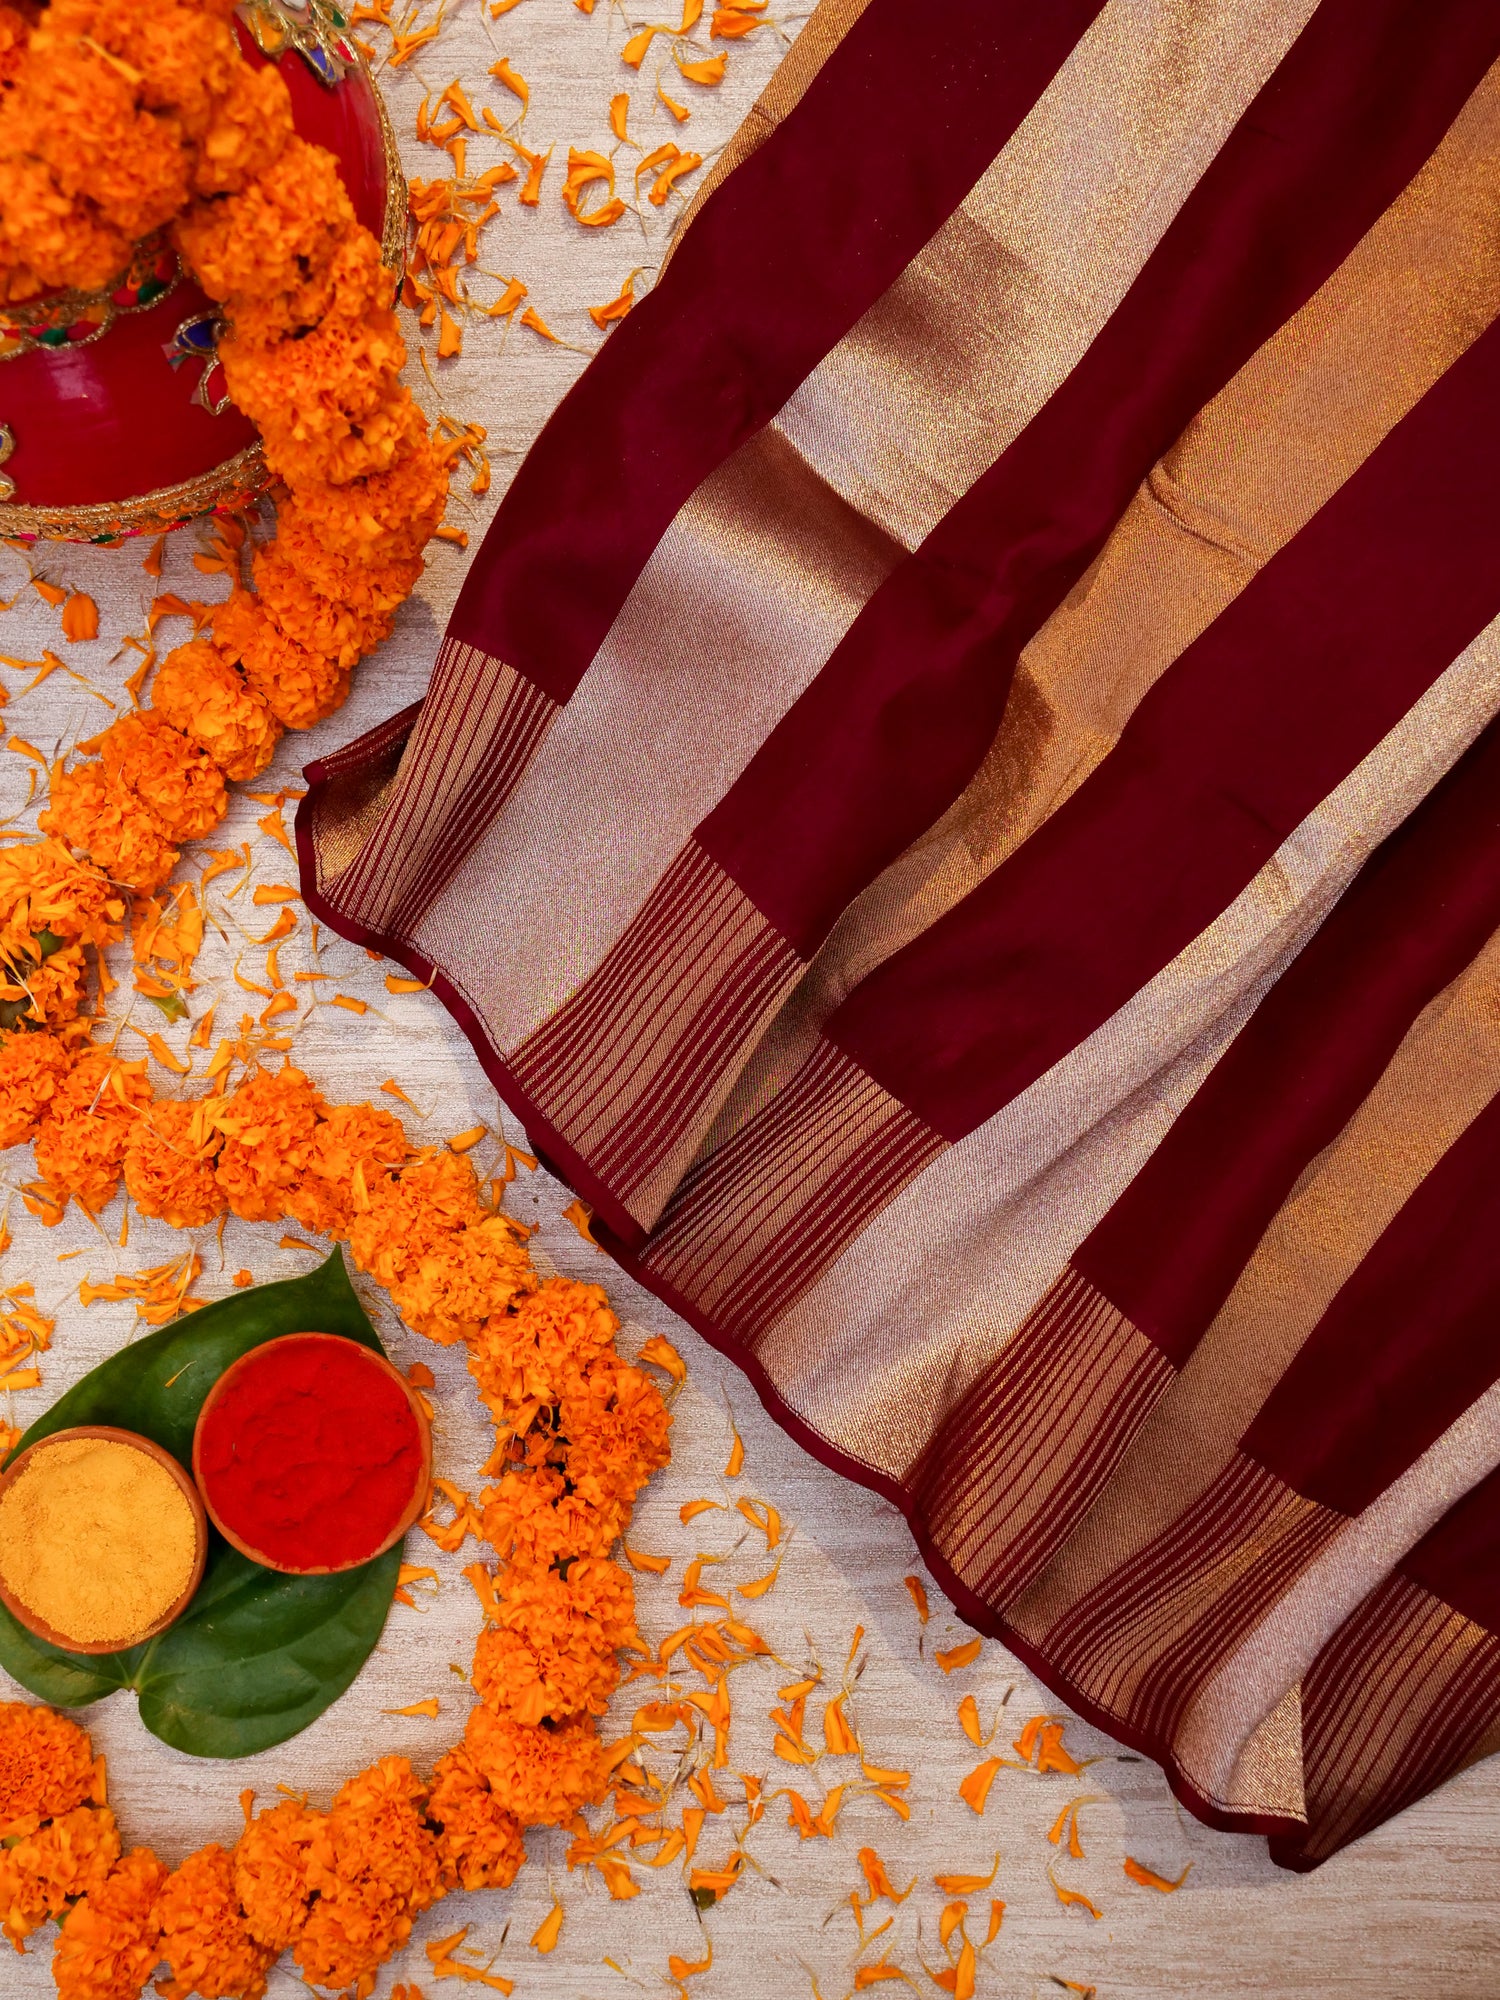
(578, 1433)
(124, 118)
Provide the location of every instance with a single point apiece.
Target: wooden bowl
(415, 1507)
(174, 1611)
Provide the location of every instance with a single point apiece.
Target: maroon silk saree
(995, 836)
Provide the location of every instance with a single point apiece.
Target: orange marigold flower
(385, 518)
(375, 1866)
(167, 1173)
(617, 1433)
(110, 1941)
(80, 1145)
(204, 1940)
(542, 1347)
(435, 1194)
(352, 1147)
(479, 1842)
(32, 1066)
(171, 775)
(44, 888)
(45, 1871)
(201, 694)
(273, 1873)
(554, 1655)
(532, 1518)
(299, 687)
(268, 1126)
(464, 1278)
(251, 125)
(47, 1767)
(340, 630)
(285, 225)
(110, 824)
(541, 1775)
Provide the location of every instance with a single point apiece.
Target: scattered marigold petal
(534, 320)
(837, 1733)
(975, 1789)
(1072, 1898)
(707, 72)
(80, 618)
(966, 1885)
(395, 984)
(349, 1003)
(514, 82)
(959, 1656)
(549, 1930)
(429, 1708)
(619, 111)
(880, 1884)
(604, 316)
(660, 1352)
(673, 171)
(758, 1586)
(634, 52)
(679, 111)
(1149, 1879)
(691, 1509)
(463, 1142)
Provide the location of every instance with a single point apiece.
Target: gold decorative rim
(239, 478)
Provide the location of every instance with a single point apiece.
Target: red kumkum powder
(312, 1456)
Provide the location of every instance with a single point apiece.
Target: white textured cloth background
(1411, 1914)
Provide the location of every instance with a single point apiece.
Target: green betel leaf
(256, 1655)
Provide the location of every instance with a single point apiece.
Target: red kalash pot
(113, 417)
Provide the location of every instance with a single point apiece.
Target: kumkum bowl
(113, 415)
(38, 1627)
(411, 1513)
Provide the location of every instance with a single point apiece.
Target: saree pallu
(958, 803)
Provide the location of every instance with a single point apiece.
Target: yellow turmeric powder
(96, 1539)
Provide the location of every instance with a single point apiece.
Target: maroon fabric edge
(562, 1161)
(565, 1164)
(971, 1608)
(569, 1167)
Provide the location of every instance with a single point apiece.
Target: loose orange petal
(349, 1003)
(440, 1950)
(732, 23)
(534, 320)
(151, 563)
(1051, 1756)
(581, 1215)
(393, 1089)
(959, 1656)
(429, 1708)
(837, 1733)
(975, 1789)
(966, 1885)
(463, 1142)
(242, 1278)
(549, 1930)
(679, 111)
(707, 72)
(619, 111)
(604, 316)
(681, 1968)
(759, 1585)
(1149, 1879)
(53, 593)
(879, 1881)
(661, 187)
(918, 1591)
(265, 892)
(634, 52)
(660, 1352)
(691, 1509)
(1072, 1898)
(872, 1975)
(968, 1721)
(80, 618)
(514, 82)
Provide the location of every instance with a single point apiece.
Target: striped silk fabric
(960, 803)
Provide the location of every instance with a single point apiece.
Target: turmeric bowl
(103, 1539)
